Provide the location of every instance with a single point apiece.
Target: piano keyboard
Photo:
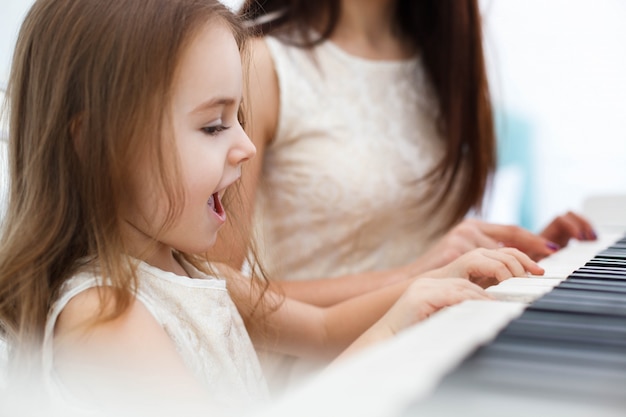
(565, 354)
(552, 345)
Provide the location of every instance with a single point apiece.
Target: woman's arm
(469, 235)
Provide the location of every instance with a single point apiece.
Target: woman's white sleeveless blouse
(339, 191)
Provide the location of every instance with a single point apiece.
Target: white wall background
(11, 14)
(559, 66)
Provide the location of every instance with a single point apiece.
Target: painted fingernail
(553, 246)
(594, 235)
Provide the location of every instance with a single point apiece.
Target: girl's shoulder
(86, 302)
(87, 297)
(83, 306)
(90, 355)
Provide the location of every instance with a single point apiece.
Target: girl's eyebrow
(214, 102)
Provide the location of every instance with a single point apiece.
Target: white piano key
(558, 267)
(523, 294)
(523, 289)
(575, 254)
(533, 280)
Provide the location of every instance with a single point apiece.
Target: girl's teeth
(212, 202)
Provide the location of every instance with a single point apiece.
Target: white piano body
(387, 379)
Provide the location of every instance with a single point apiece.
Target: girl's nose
(243, 150)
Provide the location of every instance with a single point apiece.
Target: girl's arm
(310, 331)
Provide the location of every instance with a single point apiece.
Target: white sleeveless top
(338, 192)
(202, 321)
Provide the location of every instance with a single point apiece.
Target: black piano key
(596, 286)
(602, 270)
(594, 281)
(611, 255)
(597, 276)
(606, 262)
(579, 354)
(573, 301)
(531, 376)
(561, 292)
(567, 331)
(558, 319)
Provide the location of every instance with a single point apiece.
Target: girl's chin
(200, 248)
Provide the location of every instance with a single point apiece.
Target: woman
(375, 139)
(373, 144)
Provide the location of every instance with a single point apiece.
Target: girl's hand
(416, 299)
(487, 267)
(426, 296)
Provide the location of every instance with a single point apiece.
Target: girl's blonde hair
(89, 88)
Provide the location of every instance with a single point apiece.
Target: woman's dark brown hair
(448, 36)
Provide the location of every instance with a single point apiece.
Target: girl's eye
(214, 130)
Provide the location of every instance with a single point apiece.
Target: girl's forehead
(209, 68)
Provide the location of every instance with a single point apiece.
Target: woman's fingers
(535, 246)
(570, 225)
(472, 233)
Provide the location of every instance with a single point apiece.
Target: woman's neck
(367, 28)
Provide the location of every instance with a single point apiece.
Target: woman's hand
(567, 226)
(462, 238)
(487, 267)
(473, 233)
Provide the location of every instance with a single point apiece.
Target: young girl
(124, 135)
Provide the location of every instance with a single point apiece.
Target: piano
(553, 345)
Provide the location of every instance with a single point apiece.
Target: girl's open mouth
(216, 204)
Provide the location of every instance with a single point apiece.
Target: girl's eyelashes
(214, 130)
